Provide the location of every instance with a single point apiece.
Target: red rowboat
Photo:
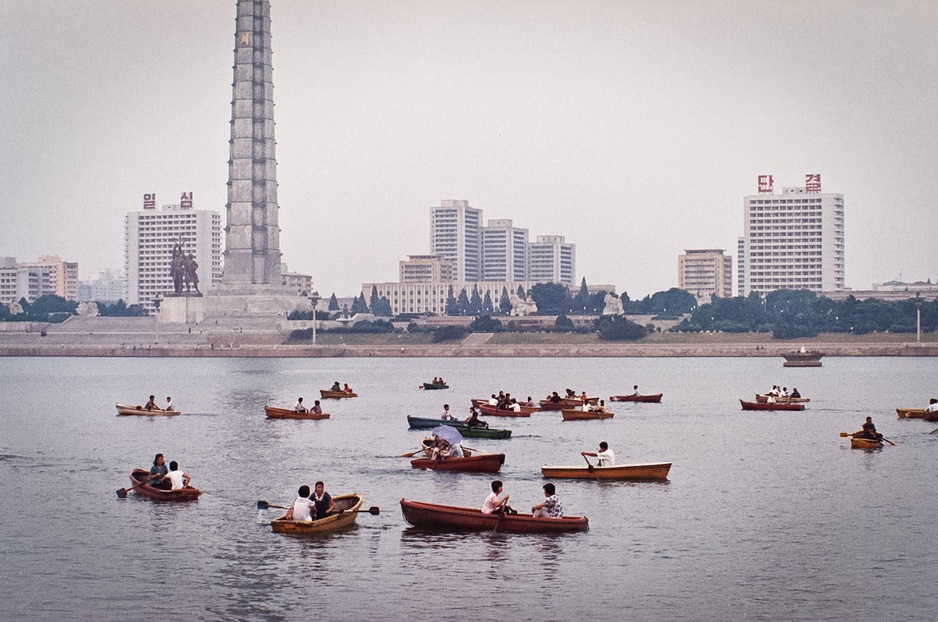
(578, 414)
(567, 402)
(476, 463)
(189, 493)
(488, 410)
(453, 518)
(288, 413)
(776, 406)
(651, 398)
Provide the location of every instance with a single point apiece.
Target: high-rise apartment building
(705, 273)
(107, 287)
(504, 251)
(33, 279)
(793, 240)
(62, 275)
(552, 260)
(455, 236)
(150, 236)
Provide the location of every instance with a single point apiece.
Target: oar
(413, 453)
(122, 493)
(373, 510)
(590, 467)
(263, 505)
(845, 434)
(888, 441)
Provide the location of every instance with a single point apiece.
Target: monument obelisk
(252, 235)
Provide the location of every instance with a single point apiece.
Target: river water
(766, 516)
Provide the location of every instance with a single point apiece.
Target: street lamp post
(156, 305)
(314, 299)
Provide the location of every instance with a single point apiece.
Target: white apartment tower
(504, 251)
(552, 260)
(793, 240)
(455, 236)
(705, 273)
(150, 236)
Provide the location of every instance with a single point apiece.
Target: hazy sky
(633, 128)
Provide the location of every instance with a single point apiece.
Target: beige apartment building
(705, 273)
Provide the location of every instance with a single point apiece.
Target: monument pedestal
(181, 309)
(254, 300)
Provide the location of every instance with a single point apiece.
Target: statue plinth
(182, 295)
(181, 308)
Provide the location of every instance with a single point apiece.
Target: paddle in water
(122, 493)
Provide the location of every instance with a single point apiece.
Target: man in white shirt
(932, 406)
(169, 404)
(299, 408)
(303, 508)
(177, 477)
(606, 457)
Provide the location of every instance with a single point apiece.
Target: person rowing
(869, 431)
(158, 471)
(151, 404)
(299, 408)
(495, 505)
(606, 457)
(322, 500)
(473, 420)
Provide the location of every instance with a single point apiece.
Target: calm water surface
(766, 516)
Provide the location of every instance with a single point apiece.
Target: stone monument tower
(252, 235)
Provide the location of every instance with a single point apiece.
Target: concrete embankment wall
(460, 350)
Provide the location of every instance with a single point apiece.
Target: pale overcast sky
(633, 128)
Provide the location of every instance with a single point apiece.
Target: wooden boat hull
(478, 463)
(859, 442)
(453, 518)
(635, 472)
(567, 402)
(488, 410)
(189, 493)
(421, 423)
(776, 406)
(654, 398)
(911, 413)
(585, 415)
(335, 395)
(124, 410)
(288, 413)
(430, 386)
(349, 503)
(764, 399)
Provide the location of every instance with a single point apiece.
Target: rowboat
(421, 423)
(493, 411)
(337, 395)
(646, 471)
(348, 504)
(435, 386)
(781, 399)
(566, 402)
(860, 442)
(288, 413)
(767, 406)
(453, 518)
(124, 409)
(189, 493)
(577, 414)
(652, 398)
(478, 463)
(911, 413)
(802, 359)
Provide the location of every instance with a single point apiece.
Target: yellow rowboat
(124, 409)
(911, 413)
(858, 442)
(346, 511)
(645, 471)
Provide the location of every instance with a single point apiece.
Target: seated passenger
(336, 386)
(302, 508)
(550, 507)
(299, 408)
(176, 478)
(317, 408)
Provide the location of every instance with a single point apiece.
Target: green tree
(618, 328)
(333, 303)
(452, 307)
(563, 323)
(485, 324)
(475, 302)
(581, 302)
(462, 303)
(504, 303)
(487, 305)
(551, 298)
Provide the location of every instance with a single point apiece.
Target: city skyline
(634, 129)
